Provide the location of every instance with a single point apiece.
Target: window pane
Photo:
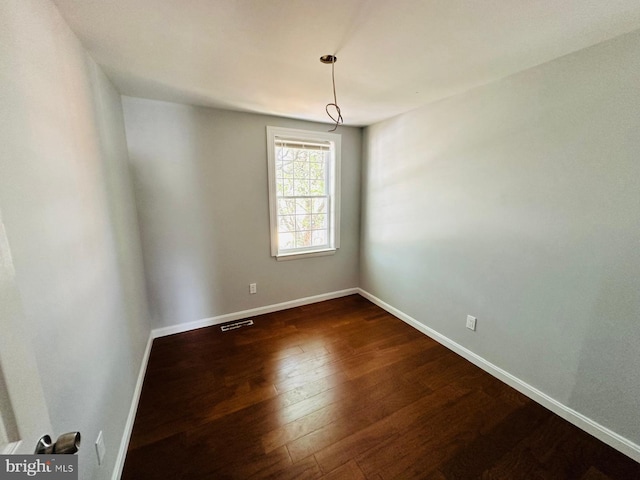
(316, 170)
(303, 239)
(301, 169)
(301, 187)
(317, 187)
(319, 221)
(287, 223)
(283, 153)
(319, 205)
(303, 205)
(287, 169)
(284, 187)
(286, 206)
(286, 240)
(319, 237)
(303, 222)
(317, 155)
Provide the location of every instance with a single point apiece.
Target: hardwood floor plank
(163, 459)
(304, 469)
(307, 389)
(347, 471)
(343, 390)
(385, 432)
(487, 449)
(380, 386)
(594, 474)
(352, 418)
(431, 439)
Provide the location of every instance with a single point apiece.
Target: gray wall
(201, 187)
(519, 203)
(65, 194)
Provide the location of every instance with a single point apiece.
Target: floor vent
(234, 325)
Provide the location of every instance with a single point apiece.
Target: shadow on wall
(609, 360)
(173, 203)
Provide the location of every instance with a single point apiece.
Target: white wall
(519, 203)
(200, 179)
(70, 219)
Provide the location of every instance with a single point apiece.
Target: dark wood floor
(343, 390)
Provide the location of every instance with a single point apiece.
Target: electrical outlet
(471, 322)
(100, 448)
(253, 288)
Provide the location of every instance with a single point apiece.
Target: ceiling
(393, 55)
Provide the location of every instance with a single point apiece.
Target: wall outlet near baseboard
(100, 448)
(253, 288)
(471, 322)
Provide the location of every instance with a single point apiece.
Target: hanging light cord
(339, 119)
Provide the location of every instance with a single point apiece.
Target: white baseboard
(592, 427)
(128, 428)
(229, 317)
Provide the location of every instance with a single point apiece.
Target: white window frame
(334, 141)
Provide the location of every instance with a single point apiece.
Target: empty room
(324, 239)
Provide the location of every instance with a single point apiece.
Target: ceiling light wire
(338, 120)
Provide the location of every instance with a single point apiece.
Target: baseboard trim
(229, 317)
(590, 426)
(128, 428)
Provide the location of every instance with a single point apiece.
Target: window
(304, 199)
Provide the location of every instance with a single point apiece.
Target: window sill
(299, 255)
